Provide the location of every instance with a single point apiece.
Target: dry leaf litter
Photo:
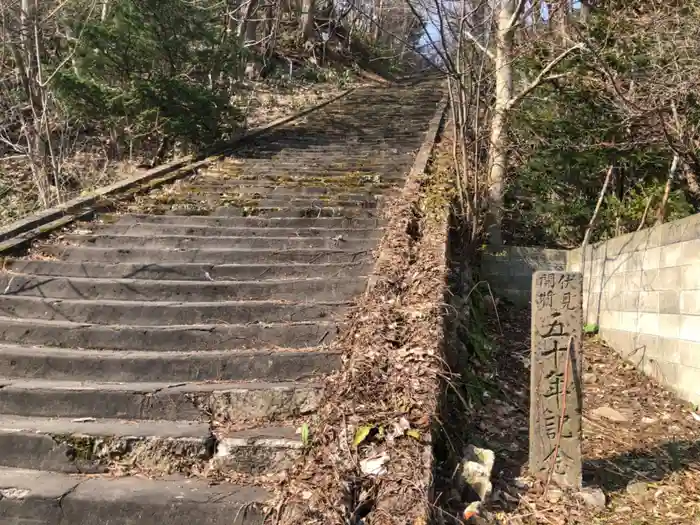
(641, 444)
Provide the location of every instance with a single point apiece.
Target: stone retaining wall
(509, 269)
(643, 291)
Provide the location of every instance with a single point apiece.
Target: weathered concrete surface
(89, 446)
(220, 365)
(65, 334)
(145, 313)
(159, 447)
(181, 312)
(164, 401)
(509, 269)
(35, 497)
(170, 290)
(247, 222)
(643, 291)
(239, 232)
(556, 394)
(258, 452)
(206, 256)
(171, 242)
(187, 271)
(275, 211)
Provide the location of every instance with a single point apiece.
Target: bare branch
(478, 44)
(601, 196)
(543, 76)
(516, 14)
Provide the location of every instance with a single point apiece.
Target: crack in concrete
(64, 496)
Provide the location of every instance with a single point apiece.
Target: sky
(433, 31)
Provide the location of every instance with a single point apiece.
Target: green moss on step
(83, 447)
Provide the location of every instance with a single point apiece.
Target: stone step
(379, 157)
(148, 313)
(185, 271)
(291, 201)
(150, 229)
(314, 212)
(258, 451)
(244, 222)
(159, 332)
(66, 334)
(183, 197)
(179, 208)
(91, 445)
(343, 188)
(306, 186)
(33, 497)
(320, 152)
(358, 148)
(368, 137)
(348, 175)
(87, 445)
(176, 291)
(369, 134)
(287, 173)
(287, 190)
(320, 166)
(237, 402)
(179, 242)
(356, 140)
(32, 362)
(320, 202)
(157, 256)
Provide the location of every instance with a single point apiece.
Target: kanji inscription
(555, 382)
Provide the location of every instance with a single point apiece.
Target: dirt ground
(641, 444)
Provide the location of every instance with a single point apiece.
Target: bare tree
(477, 48)
(306, 20)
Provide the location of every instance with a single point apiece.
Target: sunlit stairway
(181, 338)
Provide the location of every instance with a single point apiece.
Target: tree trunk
(482, 23)
(247, 28)
(563, 19)
(585, 10)
(498, 157)
(270, 19)
(378, 5)
(661, 213)
(601, 196)
(306, 20)
(27, 57)
(691, 180)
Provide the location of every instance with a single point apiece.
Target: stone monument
(555, 381)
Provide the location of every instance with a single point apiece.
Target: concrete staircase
(181, 337)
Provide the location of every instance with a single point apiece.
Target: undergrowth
(369, 458)
(468, 381)
(417, 361)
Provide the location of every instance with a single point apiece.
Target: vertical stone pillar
(555, 382)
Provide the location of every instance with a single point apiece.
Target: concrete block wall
(643, 292)
(509, 269)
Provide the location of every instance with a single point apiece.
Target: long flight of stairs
(181, 337)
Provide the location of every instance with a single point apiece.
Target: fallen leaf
(413, 433)
(361, 434)
(374, 466)
(606, 412)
